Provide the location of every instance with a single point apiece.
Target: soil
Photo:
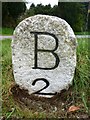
(55, 107)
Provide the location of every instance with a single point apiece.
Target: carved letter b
(41, 50)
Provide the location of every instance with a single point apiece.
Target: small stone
(55, 109)
(62, 104)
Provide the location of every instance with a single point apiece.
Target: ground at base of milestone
(55, 107)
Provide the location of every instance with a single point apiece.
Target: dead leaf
(73, 108)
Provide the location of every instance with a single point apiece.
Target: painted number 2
(39, 91)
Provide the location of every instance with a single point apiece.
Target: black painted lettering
(41, 50)
(46, 86)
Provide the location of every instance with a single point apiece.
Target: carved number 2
(39, 91)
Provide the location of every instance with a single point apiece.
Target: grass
(81, 79)
(82, 33)
(6, 31)
(81, 83)
(9, 31)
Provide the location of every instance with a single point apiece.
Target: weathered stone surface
(44, 55)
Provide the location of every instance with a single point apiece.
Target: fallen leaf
(73, 108)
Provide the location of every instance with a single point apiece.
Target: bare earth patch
(55, 107)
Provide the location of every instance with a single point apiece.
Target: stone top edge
(54, 18)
